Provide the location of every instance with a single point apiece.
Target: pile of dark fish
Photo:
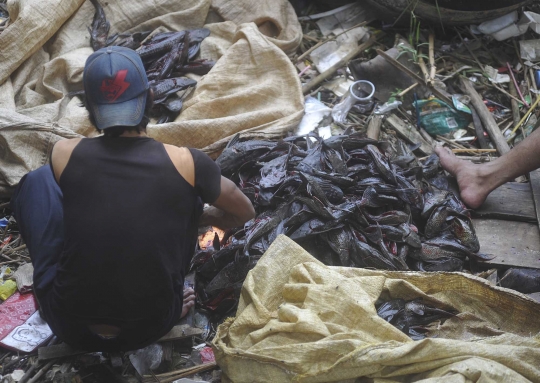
(348, 200)
(167, 57)
(411, 317)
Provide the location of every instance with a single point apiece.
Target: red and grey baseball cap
(116, 86)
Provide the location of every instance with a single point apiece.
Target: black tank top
(130, 230)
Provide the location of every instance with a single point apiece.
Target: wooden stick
(374, 127)
(42, 371)
(404, 92)
(487, 119)
(333, 69)
(474, 150)
(320, 43)
(449, 142)
(479, 129)
(175, 375)
(514, 82)
(406, 70)
(423, 68)
(432, 67)
(516, 116)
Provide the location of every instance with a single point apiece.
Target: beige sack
(299, 320)
(253, 88)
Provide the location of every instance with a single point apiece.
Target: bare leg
(189, 301)
(477, 181)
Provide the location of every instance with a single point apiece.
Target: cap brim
(127, 113)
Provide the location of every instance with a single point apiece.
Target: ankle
(490, 176)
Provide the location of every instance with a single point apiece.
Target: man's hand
(231, 209)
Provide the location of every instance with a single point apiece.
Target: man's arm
(231, 209)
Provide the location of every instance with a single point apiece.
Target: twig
(3, 205)
(42, 371)
(449, 142)
(320, 43)
(505, 92)
(516, 116)
(474, 150)
(526, 115)
(404, 92)
(516, 85)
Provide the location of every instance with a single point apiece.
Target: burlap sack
(253, 88)
(299, 320)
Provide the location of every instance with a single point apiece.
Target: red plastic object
(207, 355)
(15, 311)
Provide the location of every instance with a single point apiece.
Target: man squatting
(111, 224)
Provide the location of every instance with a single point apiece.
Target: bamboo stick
(432, 67)
(487, 119)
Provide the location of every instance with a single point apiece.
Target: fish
(314, 189)
(464, 231)
(178, 53)
(199, 67)
(410, 316)
(453, 245)
(526, 281)
(382, 164)
(339, 240)
(392, 218)
(131, 40)
(441, 264)
(238, 152)
(100, 27)
(159, 47)
(166, 87)
(437, 222)
(264, 225)
(274, 172)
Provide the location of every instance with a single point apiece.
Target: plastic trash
(147, 359)
(331, 52)
(437, 117)
(7, 289)
(207, 355)
(530, 50)
(315, 111)
(360, 93)
(4, 222)
(495, 25)
(387, 107)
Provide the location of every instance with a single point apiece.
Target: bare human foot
(189, 301)
(473, 184)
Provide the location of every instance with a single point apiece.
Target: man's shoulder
(67, 145)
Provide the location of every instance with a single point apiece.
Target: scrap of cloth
(299, 320)
(253, 88)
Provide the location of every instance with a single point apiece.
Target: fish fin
(481, 256)
(233, 140)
